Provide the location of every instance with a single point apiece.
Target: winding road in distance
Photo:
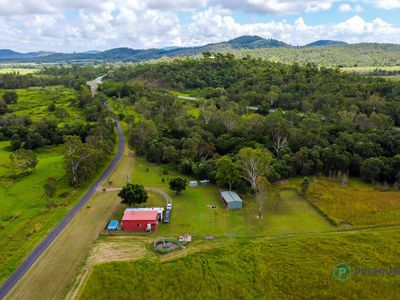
(35, 254)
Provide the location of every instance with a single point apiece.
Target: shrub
(177, 184)
(50, 187)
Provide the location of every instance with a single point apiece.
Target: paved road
(31, 259)
(94, 84)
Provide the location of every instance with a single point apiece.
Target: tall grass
(281, 268)
(359, 204)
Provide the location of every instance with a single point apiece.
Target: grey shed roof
(230, 196)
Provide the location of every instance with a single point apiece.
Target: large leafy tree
(254, 163)
(177, 184)
(23, 162)
(142, 132)
(278, 129)
(10, 97)
(132, 194)
(227, 172)
(371, 168)
(80, 159)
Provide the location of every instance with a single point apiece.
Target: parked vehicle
(167, 217)
(169, 206)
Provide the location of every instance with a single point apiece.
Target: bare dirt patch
(117, 249)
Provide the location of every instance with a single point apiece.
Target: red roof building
(140, 221)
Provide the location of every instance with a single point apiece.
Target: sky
(81, 25)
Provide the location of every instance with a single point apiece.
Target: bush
(132, 194)
(50, 187)
(177, 184)
(10, 97)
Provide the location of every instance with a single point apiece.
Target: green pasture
(359, 204)
(22, 71)
(25, 214)
(371, 69)
(298, 267)
(34, 102)
(394, 78)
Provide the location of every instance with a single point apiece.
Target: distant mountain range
(10, 54)
(128, 54)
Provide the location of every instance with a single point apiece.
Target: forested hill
(258, 82)
(356, 55)
(314, 120)
(322, 52)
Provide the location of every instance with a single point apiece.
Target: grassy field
(287, 255)
(25, 216)
(192, 212)
(370, 69)
(360, 204)
(274, 268)
(394, 78)
(366, 70)
(34, 102)
(22, 71)
(56, 268)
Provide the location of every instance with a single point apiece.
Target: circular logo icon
(342, 272)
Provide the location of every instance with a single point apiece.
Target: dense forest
(310, 120)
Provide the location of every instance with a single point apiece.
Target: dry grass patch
(359, 204)
(118, 249)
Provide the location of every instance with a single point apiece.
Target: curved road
(31, 259)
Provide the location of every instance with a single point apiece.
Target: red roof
(140, 216)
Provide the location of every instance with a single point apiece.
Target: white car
(169, 206)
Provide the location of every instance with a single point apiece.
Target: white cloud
(345, 7)
(358, 8)
(279, 7)
(25, 7)
(211, 27)
(77, 25)
(178, 4)
(384, 4)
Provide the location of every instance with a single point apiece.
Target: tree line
(72, 76)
